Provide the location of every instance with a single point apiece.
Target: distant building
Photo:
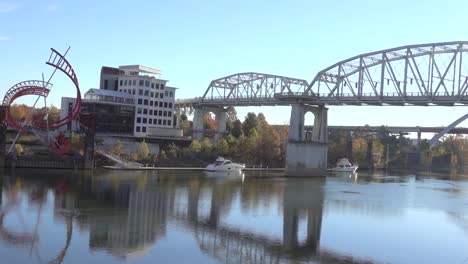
(130, 89)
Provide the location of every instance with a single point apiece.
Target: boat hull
(347, 169)
(233, 167)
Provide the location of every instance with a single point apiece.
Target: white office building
(154, 100)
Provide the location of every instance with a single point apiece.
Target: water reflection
(48, 216)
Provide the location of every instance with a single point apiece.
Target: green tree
(195, 146)
(162, 155)
(236, 130)
(222, 147)
(206, 146)
(250, 123)
(143, 150)
(173, 150)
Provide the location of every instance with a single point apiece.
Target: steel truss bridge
(421, 75)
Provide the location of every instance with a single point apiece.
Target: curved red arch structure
(41, 88)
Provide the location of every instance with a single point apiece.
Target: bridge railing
(389, 94)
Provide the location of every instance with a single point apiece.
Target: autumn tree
(117, 148)
(143, 150)
(209, 121)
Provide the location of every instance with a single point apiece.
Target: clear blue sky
(193, 42)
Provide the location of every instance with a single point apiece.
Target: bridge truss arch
(250, 88)
(434, 73)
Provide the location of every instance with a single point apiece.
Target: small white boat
(343, 165)
(222, 164)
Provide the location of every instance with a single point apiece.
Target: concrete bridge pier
(198, 128)
(199, 114)
(307, 156)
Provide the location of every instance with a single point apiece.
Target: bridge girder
(251, 87)
(426, 71)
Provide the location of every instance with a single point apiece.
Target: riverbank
(185, 168)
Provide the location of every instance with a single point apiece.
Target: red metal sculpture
(40, 123)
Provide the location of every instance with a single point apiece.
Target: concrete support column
(419, 138)
(198, 129)
(307, 158)
(320, 131)
(178, 114)
(221, 117)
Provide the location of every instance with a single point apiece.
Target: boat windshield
(219, 162)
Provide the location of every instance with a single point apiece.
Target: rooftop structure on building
(138, 70)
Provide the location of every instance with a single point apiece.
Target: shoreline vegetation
(256, 143)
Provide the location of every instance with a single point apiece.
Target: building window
(146, 93)
(157, 86)
(150, 112)
(140, 92)
(160, 113)
(142, 83)
(144, 120)
(162, 86)
(152, 85)
(164, 122)
(168, 122)
(160, 104)
(171, 94)
(150, 121)
(169, 113)
(139, 110)
(151, 94)
(137, 129)
(145, 111)
(146, 83)
(159, 121)
(165, 113)
(138, 119)
(106, 84)
(156, 95)
(121, 83)
(144, 129)
(145, 102)
(140, 101)
(151, 103)
(166, 93)
(134, 82)
(133, 92)
(161, 95)
(170, 105)
(155, 121)
(125, 82)
(165, 104)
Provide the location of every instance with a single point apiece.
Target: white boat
(343, 164)
(222, 164)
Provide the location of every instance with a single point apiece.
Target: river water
(193, 217)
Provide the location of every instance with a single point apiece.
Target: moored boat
(222, 164)
(343, 165)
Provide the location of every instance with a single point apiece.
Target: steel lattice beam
(425, 74)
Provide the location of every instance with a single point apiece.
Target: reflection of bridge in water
(223, 241)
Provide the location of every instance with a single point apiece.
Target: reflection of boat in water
(234, 175)
(224, 165)
(345, 174)
(343, 165)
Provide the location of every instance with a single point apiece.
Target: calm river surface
(192, 217)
